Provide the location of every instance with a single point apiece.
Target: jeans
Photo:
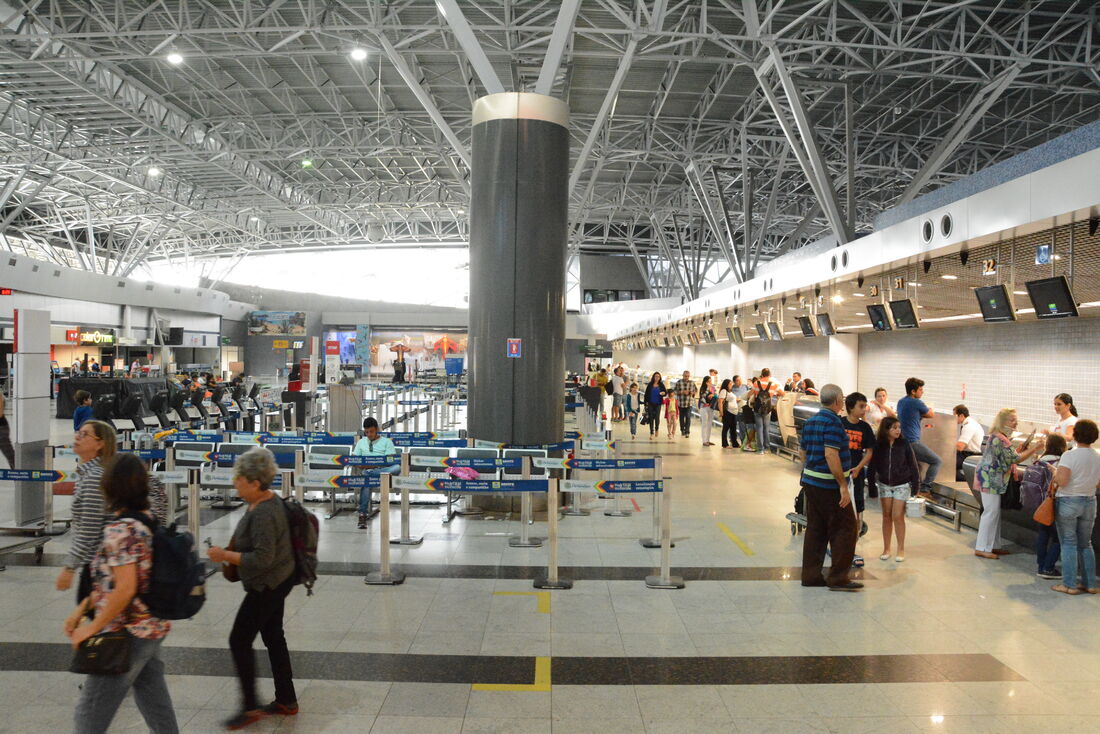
(1075, 517)
(989, 526)
(763, 432)
(1047, 547)
(365, 492)
(827, 525)
(706, 422)
(930, 457)
(730, 427)
(653, 417)
(633, 418)
(262, 612)
(101, 695)
(685, 419)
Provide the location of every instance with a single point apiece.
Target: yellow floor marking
(737, 541)
(542, 679)
(543, 598)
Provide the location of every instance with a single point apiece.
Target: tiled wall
(1017, 365)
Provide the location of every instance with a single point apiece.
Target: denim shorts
(900, 492)
(617, 400)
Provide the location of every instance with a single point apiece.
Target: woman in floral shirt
(120, 572)
(992, 477)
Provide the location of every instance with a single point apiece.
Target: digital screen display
(806, 325)
(711, 337)
(762, 331)
(994, 303)
(735, 335)
(905, 314)
(1051, 298)
(880, 320)
(825, 325)
(775, 331)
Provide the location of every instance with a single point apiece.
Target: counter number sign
(515, 348)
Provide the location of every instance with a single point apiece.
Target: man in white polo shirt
(970, 439)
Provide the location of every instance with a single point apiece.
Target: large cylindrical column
(519, 207)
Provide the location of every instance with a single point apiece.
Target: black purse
(107, 653)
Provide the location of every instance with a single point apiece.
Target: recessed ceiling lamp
(950, 277)
(859, 295)
(837, 298)
(307, 163)
(1019, 293)
(358, 54)
(253, 219)
(860, 313)
(153, 171)
(174, 58)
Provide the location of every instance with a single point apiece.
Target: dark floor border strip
(524, 573)
(519, 670)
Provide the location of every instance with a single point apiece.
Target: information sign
(515, 348)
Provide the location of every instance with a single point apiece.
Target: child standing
(672, 414)
(631, 407)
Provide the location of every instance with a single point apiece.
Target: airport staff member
(373, 444)
(970, 440)
(830, 517)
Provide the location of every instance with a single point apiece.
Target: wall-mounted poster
(291, 323)
(347, 339)
(423, 350)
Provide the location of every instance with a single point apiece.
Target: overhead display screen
(825, 325)
(905, 314)
(880, 320)
(1051, 298)
(806, 325)
(735, 335)
(995, 303)
(762, 331)
(775, 331)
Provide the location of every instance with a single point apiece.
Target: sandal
(884, 557)
(983, 554)
(1064, 590)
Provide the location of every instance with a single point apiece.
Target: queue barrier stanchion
(655, 540)
(665, 580)
(552, 580)
(384, 576)
(406, 533)
(619, 509)
(194, 510)
(525, 540)
(47, 494)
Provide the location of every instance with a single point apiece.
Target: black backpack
(304, 531)
(762, 404)
(177, 583)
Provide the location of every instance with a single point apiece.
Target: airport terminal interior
(641, 366)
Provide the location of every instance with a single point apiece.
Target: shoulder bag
(107, 653)
(1044, 514)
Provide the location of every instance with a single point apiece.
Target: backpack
(1034, 485)
(177, 582)
(762, 404)
(609, 388)
(304, 530)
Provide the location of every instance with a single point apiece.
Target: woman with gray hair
(261, 550)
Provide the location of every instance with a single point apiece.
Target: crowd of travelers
(116, 512)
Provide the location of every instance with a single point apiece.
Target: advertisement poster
(291, 323)
(347, 340)
(423, 350)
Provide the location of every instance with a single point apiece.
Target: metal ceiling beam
(466, 38)
(559, 40)
(969, 116)
(605, 109)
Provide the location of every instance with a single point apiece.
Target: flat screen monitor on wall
(735, 335)
(825, 324)
(995, 303)
(806, 325)
(880, 319)
(762, 331)
(1051, 298)
(711, 337)
(905, 314)
(775, 331)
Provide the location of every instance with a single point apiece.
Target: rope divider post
(406, 533)
(665, 580)
(655, 540)
(552, 580)
(194, 490)
(525, 540)
(384, 576)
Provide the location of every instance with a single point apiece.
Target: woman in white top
(1067, 416)
(729, 407)
(1075, 482)
(879, 408)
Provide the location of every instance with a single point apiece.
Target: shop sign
(280, 344)
(97, 337)
(226, 341)
(72, 335)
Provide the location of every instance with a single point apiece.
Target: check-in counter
(940, 433)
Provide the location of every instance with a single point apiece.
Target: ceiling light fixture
(837, 299)
(358, 54)
(174, 58)
(1019, 293)
(153, 171)
(950, 277)
(859, 295)
(307, 163)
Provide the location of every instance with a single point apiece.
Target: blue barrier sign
(355, 482)
(479, 464)
(32, 475)
(149, 454)
(344, 460)
(441, 443)
(612, 486)
(601, 464)
(480, 486)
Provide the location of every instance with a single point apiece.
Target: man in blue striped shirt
(830, 517)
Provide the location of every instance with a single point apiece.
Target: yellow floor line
(737, 541)
(542, 680)
(542, 598)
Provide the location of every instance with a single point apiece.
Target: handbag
(231, 571)
(1010, 500)
(107, 653)
(1044, 514)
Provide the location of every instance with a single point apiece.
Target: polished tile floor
(944, 642)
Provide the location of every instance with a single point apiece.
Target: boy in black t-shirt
(861, 444)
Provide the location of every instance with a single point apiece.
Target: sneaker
(282, 709)
(245, 718)
(1049, 575)
(362, 520)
